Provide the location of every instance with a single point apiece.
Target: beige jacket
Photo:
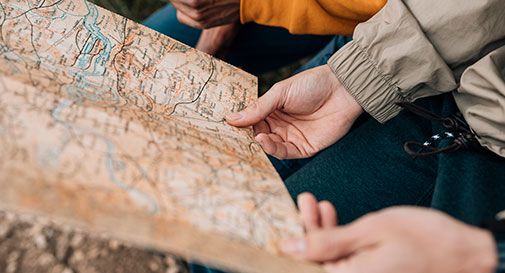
(419, 48)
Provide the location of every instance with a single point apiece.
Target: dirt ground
(33, 245)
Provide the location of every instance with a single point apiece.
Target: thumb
(259, 109)
(328, 244)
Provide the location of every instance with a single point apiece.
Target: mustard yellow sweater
(310, 16)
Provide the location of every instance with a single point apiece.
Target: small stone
(103, 252)
(40, 241)
(11, 268)
(45, 259)
(12, 262)
(174, 269)
(62, 246)
(114, 245)
(93, 253)
(154, 266)
(170, 261)
(5, 228)
(49, 232)
(65, 228)
(56, 269)
(13, 256)
(10, 216)
(67, 270)
(172, 265)
(77, 257)
(77, 240)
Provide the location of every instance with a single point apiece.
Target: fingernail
(234, 116)
(293, 246)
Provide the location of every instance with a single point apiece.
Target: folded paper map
(112, 127)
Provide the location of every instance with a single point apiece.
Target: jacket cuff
(373, 90)
(264, 10)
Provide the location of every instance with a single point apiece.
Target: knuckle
(182, 18)
(373, 221)
(197, 16)
(253, 107)
(193, 3)
(277, 86)
(279, 91)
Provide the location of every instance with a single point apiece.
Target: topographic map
(110, 125)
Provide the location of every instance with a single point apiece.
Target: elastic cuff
(373, 90)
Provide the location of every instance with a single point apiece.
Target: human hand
(395, 240)
(204, 14)
(215, 41)
(300, 116)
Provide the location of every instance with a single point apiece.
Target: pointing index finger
(259, 109)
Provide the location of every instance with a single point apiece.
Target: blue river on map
(78, 93)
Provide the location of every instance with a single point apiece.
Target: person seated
(444, 63)
(248, 36)
(455, 73)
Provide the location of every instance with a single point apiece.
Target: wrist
(371, 88)
(354, 109)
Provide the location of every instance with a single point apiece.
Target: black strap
(457, 130)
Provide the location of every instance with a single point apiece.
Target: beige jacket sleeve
(481, 99)
(418, 48)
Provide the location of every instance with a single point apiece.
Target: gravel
(33, 245)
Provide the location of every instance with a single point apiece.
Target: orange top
(310, 16)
